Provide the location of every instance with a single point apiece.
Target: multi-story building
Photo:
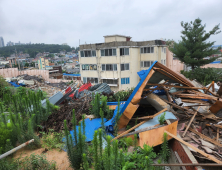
(117, 61)
(42, 63)
(2, 42)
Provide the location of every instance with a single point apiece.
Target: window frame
(125, 80)
(106, 52)
(146, 50)
(124, 51)
(124, 67)
(109, 67)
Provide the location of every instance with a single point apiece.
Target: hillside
(33, 49)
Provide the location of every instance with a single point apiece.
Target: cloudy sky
(68, 21)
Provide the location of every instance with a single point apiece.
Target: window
(94, 53)
(125, 80)
(164, 62)
(89, 67)
(109, 67)
(88, 53)
(124, 67)
(108, 52)
(84, 80)
(110, 81)
(124, 51)
(82, 53)
(147, 50)
(146, 63)
(164, 50)
(90, 79)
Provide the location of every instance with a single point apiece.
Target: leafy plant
(37, 162)
(162, 119)
(76, 146)
(165, 152)
(52, 140)
(100, 103)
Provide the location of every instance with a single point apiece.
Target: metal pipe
(15, 149)
(188, 164)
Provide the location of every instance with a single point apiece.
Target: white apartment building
(117, 61)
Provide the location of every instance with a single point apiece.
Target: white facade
(117, 63)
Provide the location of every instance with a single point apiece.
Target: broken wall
(13, 72)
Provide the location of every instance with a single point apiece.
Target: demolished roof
(150, 77)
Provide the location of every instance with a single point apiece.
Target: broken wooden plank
(218, 134)
(137, 125)
(184, 133)
(205, 137)
(194, 148)
(209, 87)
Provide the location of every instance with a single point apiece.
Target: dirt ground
(60, 157)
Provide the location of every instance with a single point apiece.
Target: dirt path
(60, 157)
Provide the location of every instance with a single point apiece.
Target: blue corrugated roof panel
(74, 75)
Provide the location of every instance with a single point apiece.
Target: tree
(193, 47)
(33, 64)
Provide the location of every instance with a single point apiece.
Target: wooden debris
(190, 122)
(194, 148)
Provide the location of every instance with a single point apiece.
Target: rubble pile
(199, 111)
(28, 77)
(56, 119)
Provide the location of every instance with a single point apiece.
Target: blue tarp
(115, 103)
(73, 75)
(110, 124)
(215, 62)
(14, 84)
(141, 73)
(91, 126)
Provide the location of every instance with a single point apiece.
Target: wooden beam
(180, 87)
(184, 133)
(134, 127)
(218, 134)
(205, 137)
(194, 148)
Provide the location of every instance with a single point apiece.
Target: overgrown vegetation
(52, 140)
(99, 156)
(204, 75)
(120, 95)
(20, 113)
(33, 162)
(100, 102)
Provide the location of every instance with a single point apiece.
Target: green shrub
(204, 75)
(52, 140)
(162, 119)
(37, 162)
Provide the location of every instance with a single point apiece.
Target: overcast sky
(67, 21)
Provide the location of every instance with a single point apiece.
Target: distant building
(117, 61)
(42, 63)
(2, 42)
(9, 43)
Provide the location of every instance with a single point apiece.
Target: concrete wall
(114, 38)
(172, 64)
(13, 72)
